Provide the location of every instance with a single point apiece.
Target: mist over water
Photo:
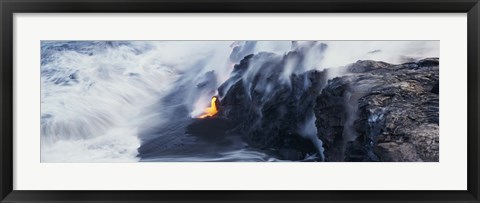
(98, 98)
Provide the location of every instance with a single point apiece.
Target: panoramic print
(239, 101)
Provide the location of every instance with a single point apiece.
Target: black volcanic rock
(428, 62)
(436, 88)
(365, 66)
(271, 107)
(374, 111)
(381, 112)
(209, 126)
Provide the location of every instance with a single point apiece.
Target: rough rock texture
(273, 108)
(374, 111)
(381, 112)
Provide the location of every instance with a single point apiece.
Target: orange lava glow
(210, 111)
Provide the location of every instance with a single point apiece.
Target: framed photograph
(239, 101)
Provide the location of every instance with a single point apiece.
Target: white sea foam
(93, 93)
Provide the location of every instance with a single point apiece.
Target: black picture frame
(9, 7)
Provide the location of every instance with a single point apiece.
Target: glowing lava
(210, 111)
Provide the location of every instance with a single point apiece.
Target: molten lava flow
(210, 111)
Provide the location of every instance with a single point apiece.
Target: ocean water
(102, 100)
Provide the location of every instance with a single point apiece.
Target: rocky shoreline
(381, 112)
(373, 111)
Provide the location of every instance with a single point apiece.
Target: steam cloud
(96, 95)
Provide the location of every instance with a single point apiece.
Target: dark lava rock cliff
(374, 111)
(368, 111)
(271, 107)
(381, 112)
